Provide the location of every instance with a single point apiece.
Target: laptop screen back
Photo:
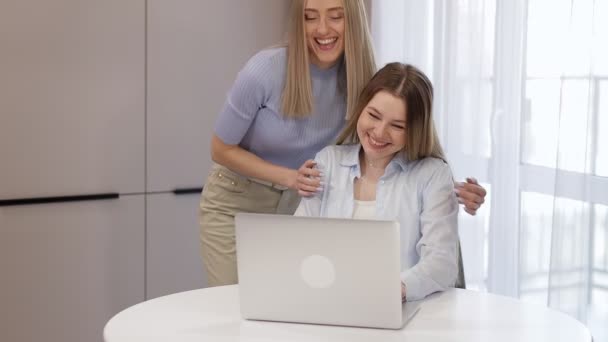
(319, 270)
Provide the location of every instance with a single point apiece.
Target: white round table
(456, 315)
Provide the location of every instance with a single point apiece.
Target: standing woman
(286, 104)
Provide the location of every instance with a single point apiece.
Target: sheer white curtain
(521, 104)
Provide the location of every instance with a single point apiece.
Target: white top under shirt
(364, 210)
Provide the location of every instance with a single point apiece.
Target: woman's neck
(373, 169)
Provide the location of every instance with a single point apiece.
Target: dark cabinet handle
(187, 191)
(58, 199)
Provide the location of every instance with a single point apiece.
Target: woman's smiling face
(381, 128)
(325, 25)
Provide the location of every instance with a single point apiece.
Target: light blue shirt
(252, 117)
(418, 194)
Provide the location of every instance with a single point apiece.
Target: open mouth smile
(326, 44)
(375, 143)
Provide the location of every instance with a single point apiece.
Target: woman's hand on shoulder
(308, 181)
(470, 194)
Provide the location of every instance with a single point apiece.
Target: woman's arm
(437, 267)
(250, 92)
(248, 164)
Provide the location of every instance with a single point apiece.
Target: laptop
(320, 271)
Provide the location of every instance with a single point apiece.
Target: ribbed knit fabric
(251, 115)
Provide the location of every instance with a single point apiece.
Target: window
(521, 103)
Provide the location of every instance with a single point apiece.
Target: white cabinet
(173, 252)
(66, 268)
(71, 97)
(195, 49)
(102, 97)
(72, 122)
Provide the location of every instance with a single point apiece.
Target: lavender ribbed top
(251, 115)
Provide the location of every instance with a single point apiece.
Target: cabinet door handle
(187, 191)
(58, 199)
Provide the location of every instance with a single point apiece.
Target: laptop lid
(319, 270)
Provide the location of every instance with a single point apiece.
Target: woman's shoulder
(265, 70)
(431, 163)
(338, 153)
(271, 59)
(278, 53)
(430, 167)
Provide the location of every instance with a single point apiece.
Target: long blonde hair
(356, 71)
(415, 89)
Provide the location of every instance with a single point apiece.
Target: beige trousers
(225, 194)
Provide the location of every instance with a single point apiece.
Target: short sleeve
(247, 95)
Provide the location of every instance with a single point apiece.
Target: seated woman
(389, 165)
